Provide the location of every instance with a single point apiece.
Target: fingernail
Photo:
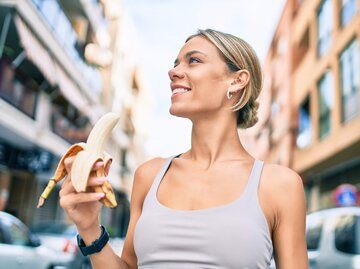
(100, 179)
(98, 164)
(99, 194)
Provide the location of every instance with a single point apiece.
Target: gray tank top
(231, 236)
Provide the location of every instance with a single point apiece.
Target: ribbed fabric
(231, 236)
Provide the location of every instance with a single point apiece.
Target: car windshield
(55, 228)
(347, 231)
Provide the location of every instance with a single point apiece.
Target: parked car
(61, 237)
(333, 238)
(19, 249)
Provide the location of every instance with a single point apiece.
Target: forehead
(201, 44)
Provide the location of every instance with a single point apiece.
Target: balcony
(61, 27)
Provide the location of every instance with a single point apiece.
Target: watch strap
(95, 246)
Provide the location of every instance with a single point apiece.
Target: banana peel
(86, 155)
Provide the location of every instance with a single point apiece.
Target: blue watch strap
(95, 246)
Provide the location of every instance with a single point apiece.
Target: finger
(66, 187)
(68, 163)
(98, 165)
(96, 181)
(71, 200)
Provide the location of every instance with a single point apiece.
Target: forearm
(106, 257)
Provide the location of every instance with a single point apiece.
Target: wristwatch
(95, 246)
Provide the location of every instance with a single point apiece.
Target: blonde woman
(213, 206)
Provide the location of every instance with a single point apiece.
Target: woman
(213, 206)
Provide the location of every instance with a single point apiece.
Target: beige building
(311, 116)
(57, 59)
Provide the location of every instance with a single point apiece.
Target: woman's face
(199, 80)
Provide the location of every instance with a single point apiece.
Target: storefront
(323, 186)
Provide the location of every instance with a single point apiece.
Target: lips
(177, 89)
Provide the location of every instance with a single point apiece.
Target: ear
(240, 80)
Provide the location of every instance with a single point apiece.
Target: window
(64, 31)
(350, 70)
(325, 25)
(18, 235)
(304, 122)
(347, 234)
(18, 89)
(325, 92)
(313, 234)
(348, 10)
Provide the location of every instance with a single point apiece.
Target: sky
(162, 27)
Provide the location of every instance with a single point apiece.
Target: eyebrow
(188, 55)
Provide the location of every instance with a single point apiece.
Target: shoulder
(144, 177)
(149, 168)
(283, 185)
(282, 177)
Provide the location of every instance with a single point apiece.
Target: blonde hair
(238, 54)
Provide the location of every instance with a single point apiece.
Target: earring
(229, 95)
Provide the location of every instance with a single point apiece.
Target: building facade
(53, 89)
(310, 118)
(326, 97)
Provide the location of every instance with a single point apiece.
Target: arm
(84, 208)
(290, 219)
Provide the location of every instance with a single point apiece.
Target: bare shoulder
(148, 169)
(281, 177)
(144, 176)
(283, 184)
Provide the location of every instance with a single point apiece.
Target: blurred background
(65, 63)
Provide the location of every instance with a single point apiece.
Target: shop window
(348, 10)
(325, 93)
(347, 234)
(325, 25)
(313, 234)
(349, 67)
(304, 125)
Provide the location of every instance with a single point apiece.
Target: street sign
(346, 195)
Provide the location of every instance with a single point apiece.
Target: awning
(70, 91)
(35, 51)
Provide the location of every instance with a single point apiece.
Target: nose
(175, 73)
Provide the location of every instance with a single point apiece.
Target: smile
(179, 91)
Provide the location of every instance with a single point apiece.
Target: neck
(215, 140)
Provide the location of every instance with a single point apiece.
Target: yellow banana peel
(86, 155)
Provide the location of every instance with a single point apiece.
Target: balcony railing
(61, 27)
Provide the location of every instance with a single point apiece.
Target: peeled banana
(86, 155)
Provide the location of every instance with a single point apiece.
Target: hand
(83, 208)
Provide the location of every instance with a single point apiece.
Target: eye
(194, 60)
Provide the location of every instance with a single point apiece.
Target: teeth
(178, 90)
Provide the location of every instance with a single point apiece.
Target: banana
(86, 155)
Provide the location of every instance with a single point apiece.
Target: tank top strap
(254, 179)
(155, 185)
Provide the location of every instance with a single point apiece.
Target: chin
(178, 112)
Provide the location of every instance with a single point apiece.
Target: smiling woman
(213, 206)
